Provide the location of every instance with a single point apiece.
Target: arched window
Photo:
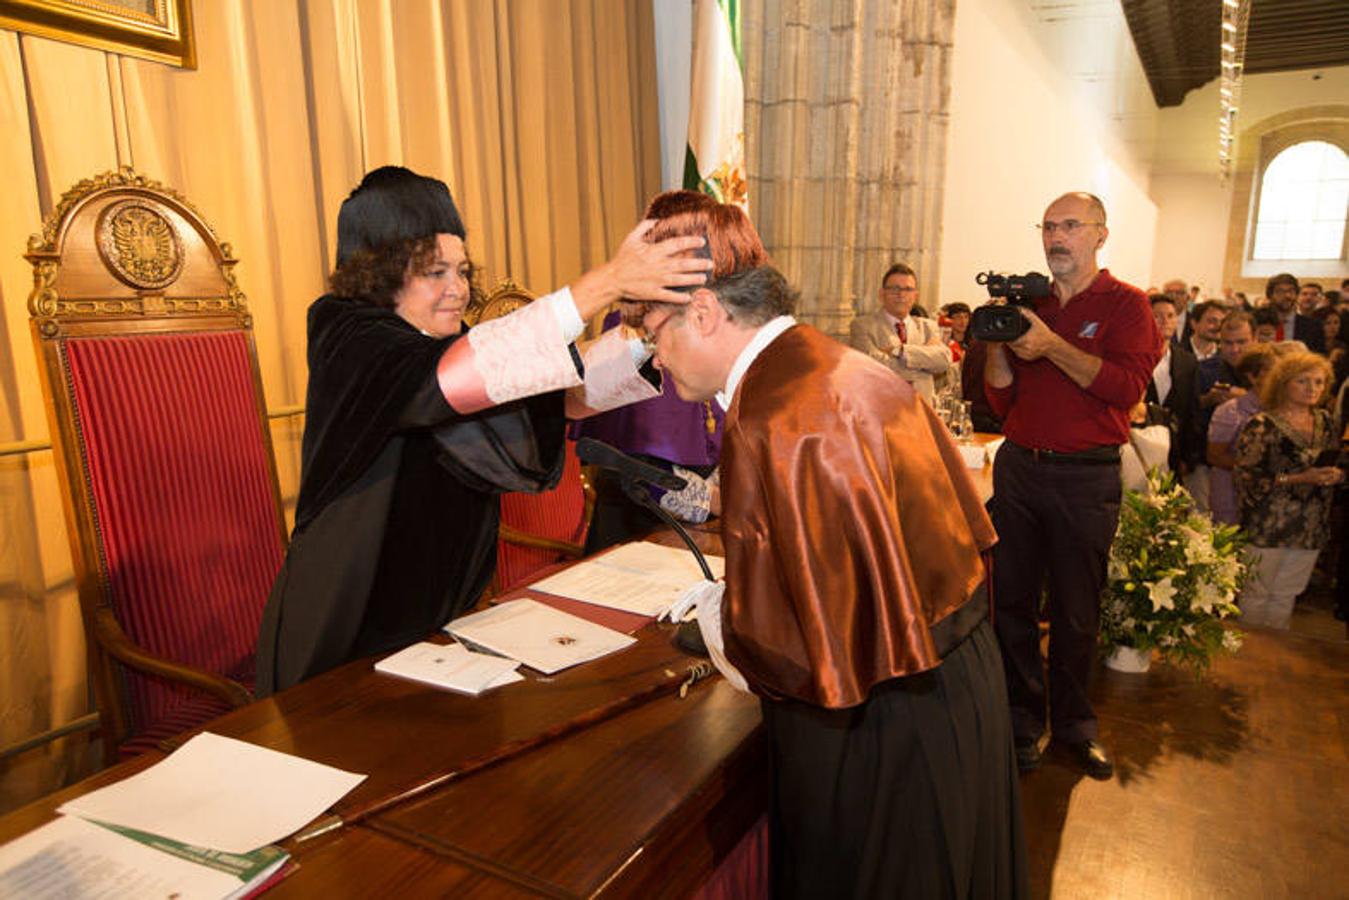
(1304, 200)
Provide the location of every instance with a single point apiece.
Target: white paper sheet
(450, 666)
(640, 577)
(974, 455)
(220, 793)
(541, 637)
(74, 858)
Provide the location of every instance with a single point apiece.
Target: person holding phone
(1285, 476)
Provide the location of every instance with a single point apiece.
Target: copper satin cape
(849, 522)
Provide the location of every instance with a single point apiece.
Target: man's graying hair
(754, 297)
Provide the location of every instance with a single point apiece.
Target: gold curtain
(540, 114)
(846, 110)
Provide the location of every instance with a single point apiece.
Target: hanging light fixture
(1232, 56)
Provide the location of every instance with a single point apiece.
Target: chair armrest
(110, 636)
(524, 539)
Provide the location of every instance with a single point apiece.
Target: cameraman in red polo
(1063, 390)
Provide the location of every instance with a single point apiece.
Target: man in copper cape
(854, 606)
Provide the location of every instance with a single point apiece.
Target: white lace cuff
(611, 378)
(694, 502)
(518, 355)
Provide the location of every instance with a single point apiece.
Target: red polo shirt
(1045, 409)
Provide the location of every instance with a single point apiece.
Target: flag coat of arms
(715, 161)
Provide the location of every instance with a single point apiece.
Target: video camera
(1004, 323)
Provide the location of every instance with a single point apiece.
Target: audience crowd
(1255, 400)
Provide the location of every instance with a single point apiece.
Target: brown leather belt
(1094, 456)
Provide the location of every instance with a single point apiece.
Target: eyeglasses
(892, 291)
(1068, 226)
(653, 333)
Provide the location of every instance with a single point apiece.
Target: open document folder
(640, 577)
(450, 666)
(545, 639)
(74, 858)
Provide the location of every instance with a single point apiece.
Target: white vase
(1127, 659)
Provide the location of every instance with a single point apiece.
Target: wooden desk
(600, 780)
(983, 477)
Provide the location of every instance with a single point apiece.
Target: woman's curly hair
(377, 275)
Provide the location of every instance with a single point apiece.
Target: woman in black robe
(414, 425)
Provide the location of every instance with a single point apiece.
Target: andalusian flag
(715, 163)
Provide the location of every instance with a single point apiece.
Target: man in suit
(1179, 293)
(1174, 387)
(909, 345)
(1206, 319)
(1282, 291)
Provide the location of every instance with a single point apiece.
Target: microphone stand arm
(688, 637)
(641, 496)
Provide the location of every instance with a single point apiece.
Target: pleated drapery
(540, 114)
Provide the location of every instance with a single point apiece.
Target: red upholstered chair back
(160, 433)
(538, 530)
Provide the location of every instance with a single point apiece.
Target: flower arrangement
(1173, 577)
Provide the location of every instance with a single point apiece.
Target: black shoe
(1090, 755)
(1027, 756)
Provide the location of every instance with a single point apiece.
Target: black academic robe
(396, 521)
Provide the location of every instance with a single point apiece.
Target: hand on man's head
(647, 271)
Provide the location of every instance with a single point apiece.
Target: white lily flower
(1162, 594)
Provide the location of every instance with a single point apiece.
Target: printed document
(541, 637)
(640, 577)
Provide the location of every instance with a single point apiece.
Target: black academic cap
(393, 204)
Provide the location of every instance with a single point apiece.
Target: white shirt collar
(894, 321)
(766, 334)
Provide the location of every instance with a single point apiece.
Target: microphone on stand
(598, 453)
(633, 475)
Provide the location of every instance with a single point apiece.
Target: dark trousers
(1055, 522)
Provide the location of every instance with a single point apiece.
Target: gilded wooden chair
(505, 298)
(159, 430)
(537, 530)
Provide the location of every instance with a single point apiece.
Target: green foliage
(1173, 577)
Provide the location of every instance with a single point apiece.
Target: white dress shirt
(1161, 375)
(762, 338)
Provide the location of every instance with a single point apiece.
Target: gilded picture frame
(158, 30)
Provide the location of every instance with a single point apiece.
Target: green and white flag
(715, 162)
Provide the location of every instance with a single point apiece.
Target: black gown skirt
(912, 794)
